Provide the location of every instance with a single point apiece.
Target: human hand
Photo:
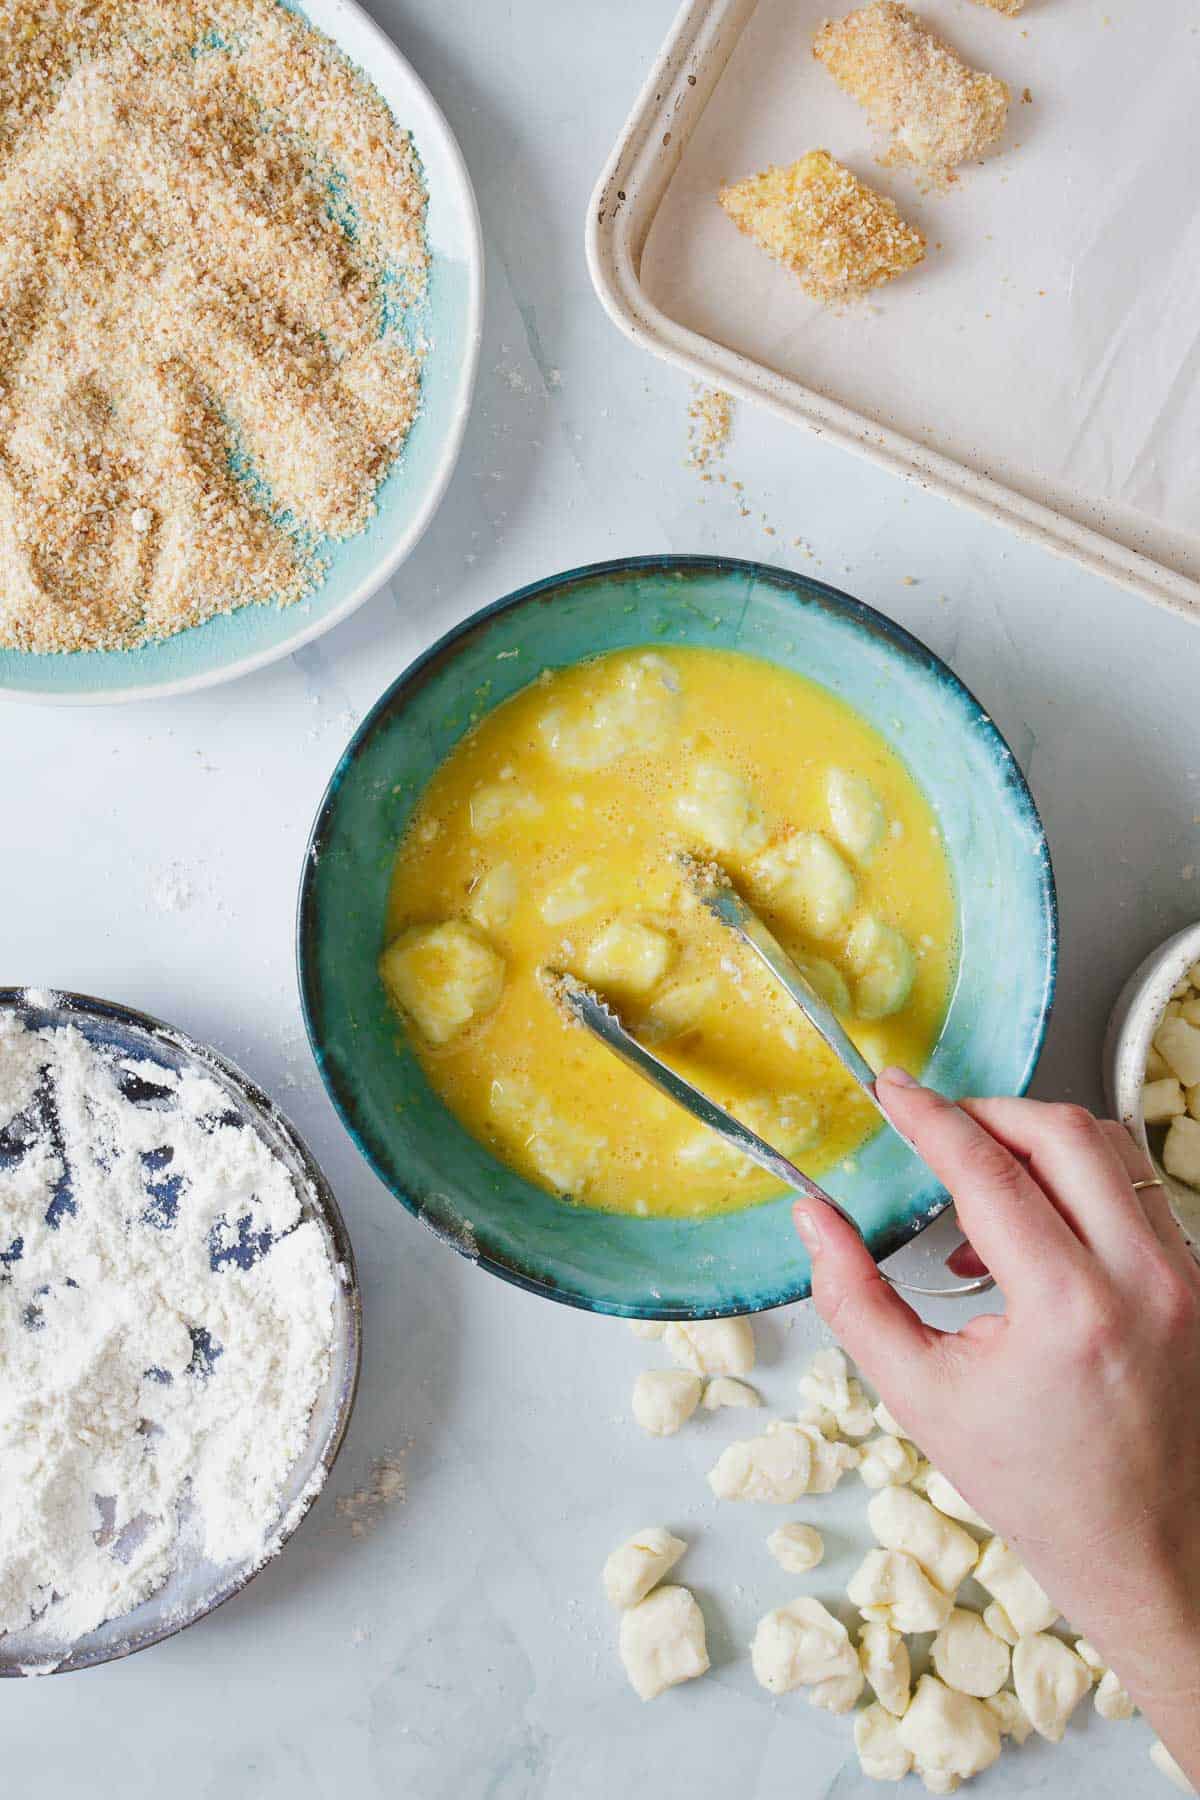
(1071, 1421)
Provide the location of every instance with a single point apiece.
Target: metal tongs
(716, 892)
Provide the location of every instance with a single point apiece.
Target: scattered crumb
(710, 422)
(388, 1484)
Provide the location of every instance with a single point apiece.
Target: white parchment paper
(1051, 340)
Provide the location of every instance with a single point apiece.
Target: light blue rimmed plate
(450, 319)
(674, 1268)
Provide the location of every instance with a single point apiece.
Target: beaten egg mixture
(550, 837)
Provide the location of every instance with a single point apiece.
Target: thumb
(889, 1341)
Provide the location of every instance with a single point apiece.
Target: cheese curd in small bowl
(520, 799)
(1152, 1068)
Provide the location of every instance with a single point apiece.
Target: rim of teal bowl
(798, 588)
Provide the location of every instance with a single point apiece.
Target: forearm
(1178, 1725)
(1144, 1618)
(1164, 1677)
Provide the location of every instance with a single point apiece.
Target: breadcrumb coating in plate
(819, 220)
(210, 228)
(931, 110)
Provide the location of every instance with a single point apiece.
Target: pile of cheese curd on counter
(550, 838)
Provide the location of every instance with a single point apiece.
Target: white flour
(159, 1368)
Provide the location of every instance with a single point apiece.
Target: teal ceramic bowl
(449, 318)
(678, 1268)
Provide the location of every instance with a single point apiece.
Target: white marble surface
(461, 1650)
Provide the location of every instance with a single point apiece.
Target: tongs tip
(572, 999)
(702, 874)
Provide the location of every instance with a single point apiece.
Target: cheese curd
(637, 1566)
(807, 883)
(881, 1754)
(442, 977)
(888, 1462)
(999, 1623)
(802, 1644)
(630, 705)
(826, 1383)
(711, 1346)
(775, 1468)
(891, 1588)
(1171, 1090)
(627, 958)
(831, 1458)
(797, 1548)
(492, 900)
(1006, 1578)
(940, 1493)
(1112, 1701)
(665, 1399)
(574, 897)
(1166, 1765)
(856, 813)
(662, 1641)
(500, 803)
(884, 966)
(883, 1654)
(719, 812)
(902, 1520)
(726, 1391)
(788, 1122)
(833, 1398)
(1181, 1151)
(1010, 1715)
(949, 1735)
(1050, 1681)
(969, 1657)
(565, 1156)
(551, 838)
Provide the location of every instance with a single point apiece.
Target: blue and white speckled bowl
(197, 1587)
(740, 1262)
(450, 319)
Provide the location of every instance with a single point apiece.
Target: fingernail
(808, 1230)
(897, 1078)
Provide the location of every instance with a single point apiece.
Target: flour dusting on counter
(166, 1319)
(388, 1484)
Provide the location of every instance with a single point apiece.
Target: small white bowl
(1135, 1019)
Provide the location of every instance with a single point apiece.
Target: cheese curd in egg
(550, 837)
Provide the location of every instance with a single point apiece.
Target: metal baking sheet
(1043, 365)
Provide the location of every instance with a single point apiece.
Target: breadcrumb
(931, 110)
(710, 421)
(819, 220)
(1011, 7)
(210, 224)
